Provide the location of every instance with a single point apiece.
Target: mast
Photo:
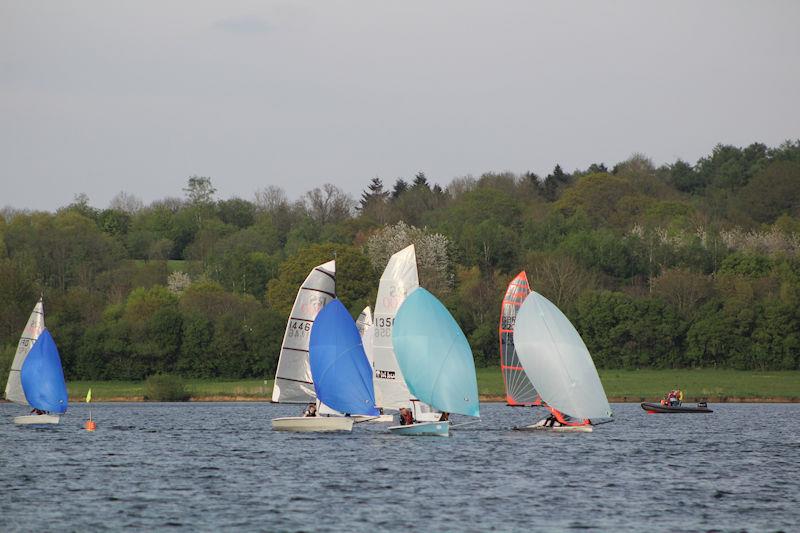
(519, 389)
(293, 381)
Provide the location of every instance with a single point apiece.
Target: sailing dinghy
(341, 373)
(519, 389)
(436, 361)
(36, 378)
(398, 280)
(559, 366)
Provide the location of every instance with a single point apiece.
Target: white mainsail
(293, 382)
(557, 361)
(398, 280)
(33, 329)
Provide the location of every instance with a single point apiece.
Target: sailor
(673, 397)
(445, 416)
(36, 411)
(311, 410)
(406, 418)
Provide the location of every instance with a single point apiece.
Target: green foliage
(621, 331)
(165, 388)
(692, 265)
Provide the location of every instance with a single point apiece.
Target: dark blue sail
(340, 369)
(43, 378)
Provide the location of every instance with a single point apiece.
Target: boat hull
(380, 419)
(423, 429)
(657, 408)
(313, 423)
(32, 420)
(558, 429)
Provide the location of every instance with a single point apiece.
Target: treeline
(683, 265)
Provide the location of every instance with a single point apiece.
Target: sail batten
(293, 380)
(519, 389)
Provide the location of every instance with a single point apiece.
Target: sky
(99, 97)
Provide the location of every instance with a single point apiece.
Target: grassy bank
(620, 385)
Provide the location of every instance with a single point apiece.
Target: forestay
(293, 382)
(434, 355)
(33, 329)
(342, 375)
(398, 280)
(519, 389)
(43, 378)
(557, 361)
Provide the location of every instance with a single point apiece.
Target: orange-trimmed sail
(519, 389)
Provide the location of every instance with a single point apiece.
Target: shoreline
(483, 399)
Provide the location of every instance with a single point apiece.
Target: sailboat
(559, 365)
(399, 278)
(519, 389)
(293, 383)
(36, 378)
(341, 373)
(436, 361)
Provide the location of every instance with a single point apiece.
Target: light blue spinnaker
(434, 355)
(43, 378)
(341, 372)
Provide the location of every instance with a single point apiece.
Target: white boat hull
(428, 417)
(423, 429)
(558, 429)
(313, 423)
(30, 420)
(380, 419)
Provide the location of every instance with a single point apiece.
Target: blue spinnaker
(43, 378)
(434, 355)
(340, 369)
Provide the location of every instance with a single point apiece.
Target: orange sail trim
(519, 389)
(563, 420)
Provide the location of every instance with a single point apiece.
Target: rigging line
(294, 349)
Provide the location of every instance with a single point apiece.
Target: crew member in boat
(445, 416)
(36, 411)
(406, 417)
(558, 419)
(311, 410)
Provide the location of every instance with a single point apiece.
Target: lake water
(219, 466)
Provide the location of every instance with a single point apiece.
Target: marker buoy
(90, 425)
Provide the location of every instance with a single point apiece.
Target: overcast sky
(102, 97)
